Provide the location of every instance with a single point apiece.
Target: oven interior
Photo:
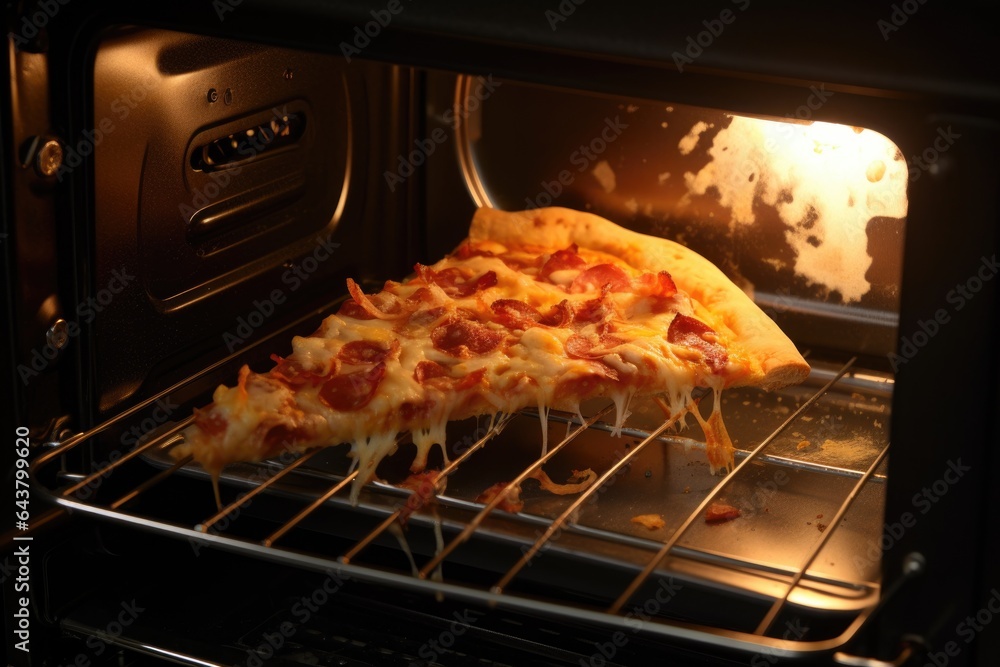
(233, 188)
(243, 183)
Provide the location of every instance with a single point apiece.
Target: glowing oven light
(826, 181)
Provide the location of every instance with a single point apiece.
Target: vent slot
(254, 141)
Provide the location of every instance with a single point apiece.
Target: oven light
(826, 182)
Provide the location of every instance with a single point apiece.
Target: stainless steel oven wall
(230, 186)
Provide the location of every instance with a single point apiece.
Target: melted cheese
(529, 368)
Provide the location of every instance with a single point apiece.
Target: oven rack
(784, 583)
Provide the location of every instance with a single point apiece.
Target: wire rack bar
(295, 520)
(582, 498)
(669, 544)
(440, 477)
(477, 520)
(207, 524)
(779, 603)
(106, 470)
(151, 482)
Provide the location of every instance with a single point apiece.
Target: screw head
(49, 158)
(914, 563)
(213, 96)
(288, 74)
(58, 334)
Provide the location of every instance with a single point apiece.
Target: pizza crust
(774, 360)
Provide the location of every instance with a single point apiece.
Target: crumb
(821, 527)
(809, 523)
(856, 396)
(767, 511)
(819, 516)
(720, 512)
(687, 489)
(804, 444)
(650, 521)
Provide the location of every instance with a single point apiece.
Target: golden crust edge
(776, 361)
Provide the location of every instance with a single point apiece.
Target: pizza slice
(544, 308)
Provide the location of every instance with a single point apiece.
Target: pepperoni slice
(582, 347)
(655, 284)
(280, 438)
(464, 339)
(367, 351)
(210, 422)
(515, 314)
(596, 277)
(485, 281)
(426, 316)
(411, 412)
(562, 260)
(454, 282)
(691, 332)
(578, 346)
(590, 383)
(559, 315)
(384, 306)
(293, 375)
(351, 308)
(467, 250)
(471, 380)
(352, 391)
(428, 370)
(594, 310)
(421, 294)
